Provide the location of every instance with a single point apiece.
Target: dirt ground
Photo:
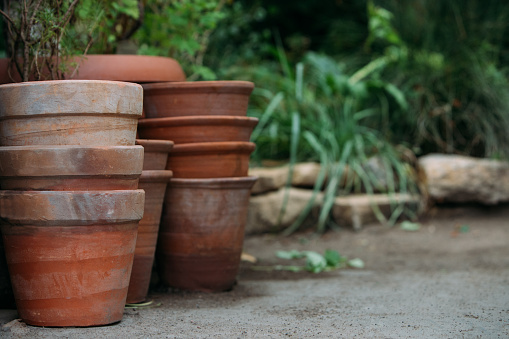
(450, 279)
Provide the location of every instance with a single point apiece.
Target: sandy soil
(450, 279)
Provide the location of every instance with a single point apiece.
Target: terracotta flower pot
(173, 99)
(202, 232)
(193, 129)
(210, 159)
(70, 253)
(69, 168)
(154, 184)
(156, 153)
(69, 112)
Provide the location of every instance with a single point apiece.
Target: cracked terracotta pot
(193, 129)
(70, 253)
(156, 153)
(202, 232)
(70, 112)
(70, 168)
(210, 159)
(154, 183)
(171, 99)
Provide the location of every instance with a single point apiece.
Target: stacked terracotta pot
(69, 200)
(205, 208)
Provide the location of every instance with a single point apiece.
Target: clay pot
(202, 232)
(173, 99)
(154, 184)
(70, 253)
(193, 129)
(69, 168)
(156, 153)
(210, 159)
(70, 112)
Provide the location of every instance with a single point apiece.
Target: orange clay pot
(198, 128)
(156, 153)
(70, 168)
(171, 99)
(70, 112)
(154, 184)
(70, 253)
(210, 159)
(202, 232)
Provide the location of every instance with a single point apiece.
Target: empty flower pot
(198, 128)
(70, 168)
(210, 159)
(202, 232)
(70, 112)
(154, 184)
(156, 153)
(70, 253)
(171, 99)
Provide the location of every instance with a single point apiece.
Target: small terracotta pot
(69, 168)
(171, 99)
(70, 112)
(156, 153)
(154, 184)
(70, 253)
(202, 232)
(210, 159)
(193, 129)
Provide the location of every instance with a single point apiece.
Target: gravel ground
(450, 279)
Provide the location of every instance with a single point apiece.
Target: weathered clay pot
(210, 159)
(70, 253)
(154, 184)
(69, 168)
(156, 153)
(202, 232)
(170, 99)
(192, 129)
(69, 112)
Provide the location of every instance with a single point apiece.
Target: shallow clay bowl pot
(156, 153)
(70, 254)
(172, 99)
(210, 159)
(70, 168)
(198, 128)
(70, 112)
(202, 232)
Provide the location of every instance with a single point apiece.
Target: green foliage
(315, 262)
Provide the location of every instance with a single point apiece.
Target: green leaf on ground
(410, 226)
(356, 263)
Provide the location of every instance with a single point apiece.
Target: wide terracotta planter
(210, 159)
(193, 129)
(154, 184)
(70, 253)
(70, 112)
(156, 153)
(202, 232)
(69, 168)
(171, 99)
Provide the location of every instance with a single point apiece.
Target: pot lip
(226, 182)
(161, 176)
(214, 147)
(153, 145)
(68, 81)
(199, 120)
(219, 86)
(49, 148)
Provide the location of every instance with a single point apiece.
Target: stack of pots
(205, 207)
(69, 199)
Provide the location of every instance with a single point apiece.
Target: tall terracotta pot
(202, 232)
(70, 253)
(70, 112)
(172, 99)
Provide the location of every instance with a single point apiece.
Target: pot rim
(219, 147)
(219, 86)
(162, 176)
(153, 145)
(213, 183)
(199, 120)
(68, 81)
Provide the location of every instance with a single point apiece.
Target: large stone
(460, 179)
(264, 210)
(269, 179)
(357, 210)
(305, 174)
